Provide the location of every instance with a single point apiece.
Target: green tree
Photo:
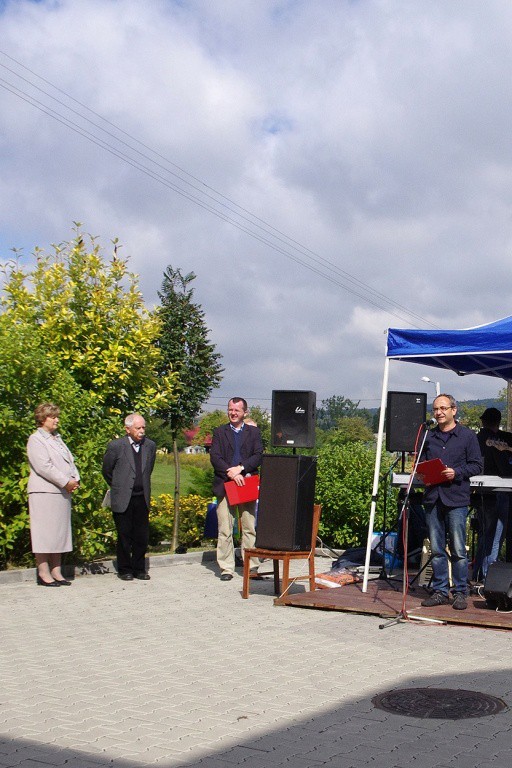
(367, 417)
(160, 432)
(262, 419)
(73, 330)
(185, 346)
(469, 415)
(333, 409)
(207, 423)
(350, 429)
(91, 317)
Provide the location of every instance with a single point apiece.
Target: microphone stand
(403, 616)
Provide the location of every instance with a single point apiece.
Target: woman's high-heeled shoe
(43, 583)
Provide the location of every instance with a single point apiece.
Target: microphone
(430, 422)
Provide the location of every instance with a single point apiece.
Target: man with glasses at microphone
(447, 503)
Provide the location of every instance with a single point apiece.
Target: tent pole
(378, 455)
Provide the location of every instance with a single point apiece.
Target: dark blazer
(221, 454)
(461, 452)
(119, 471)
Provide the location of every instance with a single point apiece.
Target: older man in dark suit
(235, 454)
(127, 467)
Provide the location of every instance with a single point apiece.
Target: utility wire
(245, 221)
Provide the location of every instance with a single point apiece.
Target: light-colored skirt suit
(49, 504)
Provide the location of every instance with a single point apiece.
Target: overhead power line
(92, 126)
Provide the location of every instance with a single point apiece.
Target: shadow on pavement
(350, 735)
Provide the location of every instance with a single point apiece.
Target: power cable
(280, 242)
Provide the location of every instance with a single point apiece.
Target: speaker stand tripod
(421, 570)
(380, 546)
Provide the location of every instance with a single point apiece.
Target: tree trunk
(176, 526)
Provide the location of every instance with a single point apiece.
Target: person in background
(53, 478)
(127, 467)
(493, 508)
(235, 453)
(447, 503)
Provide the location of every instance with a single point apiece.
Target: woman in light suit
(53, 478)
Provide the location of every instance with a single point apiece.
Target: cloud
(326, 169)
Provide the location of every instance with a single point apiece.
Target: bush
(201, 481)
(74, 331)
(344, 488)
(27, 377)
(196, 460)
(94, 533)
(192, 519)
(200, 471)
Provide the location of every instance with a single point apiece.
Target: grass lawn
(162, 479)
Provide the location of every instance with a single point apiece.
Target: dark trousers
(493, 519)
(132, 536)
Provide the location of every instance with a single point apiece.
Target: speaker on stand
(405, 412)
(285, 505)
(293, 419)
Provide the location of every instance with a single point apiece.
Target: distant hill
(488, 402)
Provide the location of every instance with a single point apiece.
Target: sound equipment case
(498, 586)
(405, 412)
(293, 418)
(285, 507)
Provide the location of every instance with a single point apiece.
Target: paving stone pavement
(180, 671)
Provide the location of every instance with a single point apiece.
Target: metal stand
(423, 568)
(403, 616)
(380, 546)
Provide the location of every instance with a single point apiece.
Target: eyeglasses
(442, 408)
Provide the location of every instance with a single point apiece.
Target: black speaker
(293, 418)
(405, 412)
(498, 586)
(285, 506)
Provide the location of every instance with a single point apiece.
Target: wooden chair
(285, 555)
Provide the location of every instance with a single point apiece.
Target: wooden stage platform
(382, 600)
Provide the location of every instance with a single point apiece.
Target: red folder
(429, 472)
(239, 494)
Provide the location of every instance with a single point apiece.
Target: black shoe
(125, 576)
(63, 582)
(42, 583)
(142, 575)
(226, 576)
(436, 599)
(459, 602)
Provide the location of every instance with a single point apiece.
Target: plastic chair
(285, 555)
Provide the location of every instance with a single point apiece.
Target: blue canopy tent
(486, 350)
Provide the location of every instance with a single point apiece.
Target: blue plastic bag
(211, 525)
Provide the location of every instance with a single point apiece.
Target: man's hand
(235, 473)
(71, 485)
(448, 474)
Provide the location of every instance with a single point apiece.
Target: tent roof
(486, 349)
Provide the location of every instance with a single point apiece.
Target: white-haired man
(127, 467)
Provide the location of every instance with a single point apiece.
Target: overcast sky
(327, 168)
